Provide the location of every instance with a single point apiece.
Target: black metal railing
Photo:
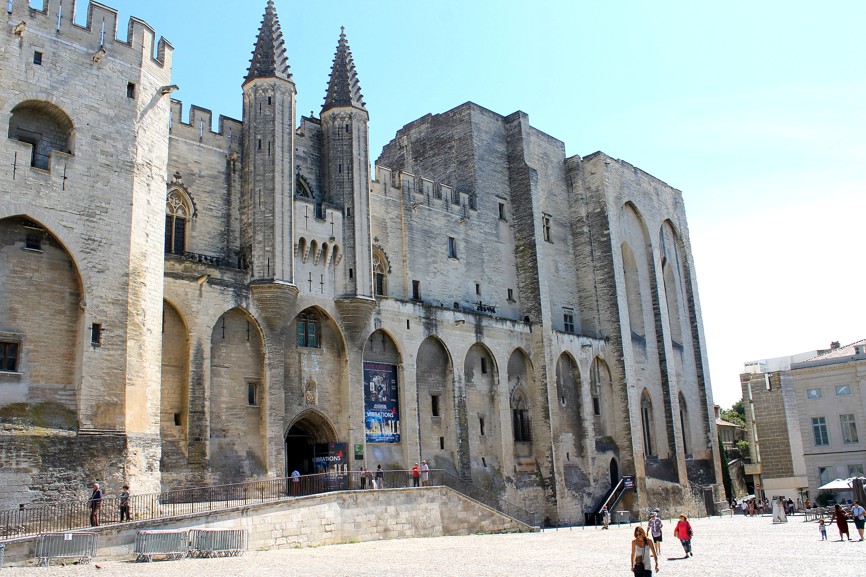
(31, 520)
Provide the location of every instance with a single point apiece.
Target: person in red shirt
(683, 532)
(416, 475)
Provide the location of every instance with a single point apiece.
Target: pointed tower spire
(269, 56)
(343, 86)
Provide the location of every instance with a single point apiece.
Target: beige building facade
(805, 420)
(181, 306)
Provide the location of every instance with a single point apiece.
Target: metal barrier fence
(169, 544)
(217, 542)
(58, 517)
(81, 546)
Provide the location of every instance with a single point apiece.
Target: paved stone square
(723, 547)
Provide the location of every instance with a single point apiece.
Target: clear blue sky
(756, 110)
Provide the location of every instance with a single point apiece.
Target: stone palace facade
(180, 306)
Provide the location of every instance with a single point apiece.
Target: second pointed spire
(343, 86)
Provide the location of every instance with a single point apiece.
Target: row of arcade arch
(469, 423)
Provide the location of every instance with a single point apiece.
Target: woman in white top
(641, 549)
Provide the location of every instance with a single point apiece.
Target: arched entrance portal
(310, 435)
(614, 473)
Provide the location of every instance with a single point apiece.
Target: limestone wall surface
(328, 519)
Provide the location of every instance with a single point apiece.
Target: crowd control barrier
(168, 544)
(80, 546)
(217, 542)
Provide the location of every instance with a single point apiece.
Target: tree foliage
(743, 446)
(736, 414)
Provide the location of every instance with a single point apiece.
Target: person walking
(859, 514)
(416, 475)
(124, 503)
(605, 517)
(654, 530)
(841, 519)
(641, 549)
(683, 532)
(95, 503)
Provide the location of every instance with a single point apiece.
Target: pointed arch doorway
(309, 435)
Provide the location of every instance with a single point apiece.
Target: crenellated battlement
(99, 32)
(421, 190)
(199, 128)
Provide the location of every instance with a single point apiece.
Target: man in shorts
(654, 530)
(859, 514)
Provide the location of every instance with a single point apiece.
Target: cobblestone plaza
(723, 546)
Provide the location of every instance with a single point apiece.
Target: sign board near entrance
(381, 408)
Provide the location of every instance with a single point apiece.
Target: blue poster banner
(381, 410)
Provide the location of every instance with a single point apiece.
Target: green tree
(736, 414)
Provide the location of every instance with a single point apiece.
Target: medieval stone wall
(541, 311)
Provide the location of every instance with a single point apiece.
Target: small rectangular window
(813, 394)
(596, 407)
(269, 100)
(452, 247)
(416, 290)
(33, 240)
(483, 461)
(9, 357)
(483, 366)
(825, 475)
(819, 431)
(130, 90)
(568, 321)
(253, 394)
(441, 443)
(849, 429)
(855, 471)
(842, 390)
(37, 58)
(477, 288)
(348, 211)
(177, 419)
(481, 425)
(96, 334)
(545, 228)
(511, 295)
(501, 211)
(434, 405)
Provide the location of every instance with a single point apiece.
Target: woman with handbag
(641, 549)
(683, 532)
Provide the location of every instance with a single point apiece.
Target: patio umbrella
(837, 485)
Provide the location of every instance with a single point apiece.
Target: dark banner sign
(381, 410)
(628, 483)
(330, 457)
